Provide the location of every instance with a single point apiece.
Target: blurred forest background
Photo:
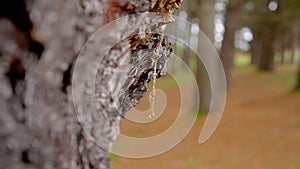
(258, 43)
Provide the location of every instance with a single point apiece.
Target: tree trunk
(298, 82)
(206, 24)
(279, 46)
(187, 48)
(38, 127)
(255, 48)
(267, 58)
(295, 40)
(231, 25)
(282, 55)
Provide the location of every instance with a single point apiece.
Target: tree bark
(255, 48)
(282, 55)
(231, 25)
(267, 58)
(187, 50)
(206, 24)
(267, 37)
(295, 40)
(38, 124)
(298, 82)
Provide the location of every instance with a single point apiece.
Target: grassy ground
(260, 128)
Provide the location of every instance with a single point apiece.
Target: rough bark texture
(38, 125)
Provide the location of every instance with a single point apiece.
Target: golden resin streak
(153, 94)
(154, 59)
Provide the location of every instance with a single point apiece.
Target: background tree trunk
(38, 124)
(295, 40)
(267, 57)
(206, 23)
(267, 39)
(231, 25)
(282, 55)
(298, 82)
(255, 48)
(187, 51)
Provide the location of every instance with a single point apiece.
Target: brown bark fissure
(38, 125)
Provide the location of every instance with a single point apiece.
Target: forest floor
(260, 128)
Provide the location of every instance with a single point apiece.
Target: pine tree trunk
(295, 41)
(267, 57)
(187, 49)
(298, 82)
(38, 123)
(231, 25)
(255, 49)
(206, 22)
(282, 55)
